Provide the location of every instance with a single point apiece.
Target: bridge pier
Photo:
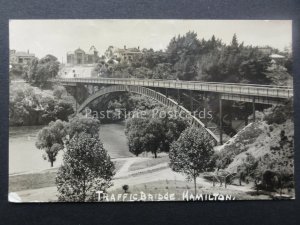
(205, 109)
(253, 109)
(221, 120)
(191, 101)
(178, 96)
(76, 104)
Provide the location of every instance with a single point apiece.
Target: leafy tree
(18, 113)
(86, 169)
(16, 71)
(39, 71)
(278, 114)
(59, 91)
(24, 106)
(79, 124)
(30, 70)
(153, 132)
(136, 146)
(63, 109)
(144, 134)
(192, 153)
(125, 187)
(30, 106)
(50, 139)
(48, 105)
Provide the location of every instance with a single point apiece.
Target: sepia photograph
(140, 110)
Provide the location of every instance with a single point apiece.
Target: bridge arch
(148, 93)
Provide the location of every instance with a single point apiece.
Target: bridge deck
(229, 88)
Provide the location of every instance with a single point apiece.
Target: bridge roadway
(267, 94)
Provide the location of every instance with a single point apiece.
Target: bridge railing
(230, 88)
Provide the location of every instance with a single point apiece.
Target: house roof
(276, 56)
(78, 50)
(24, 54)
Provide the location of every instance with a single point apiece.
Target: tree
(16, 71)
(154, 132)
(192, 153)
(86, 169)
(63, 109)
(48, 105)
(144, 134)
(39, 71)
(59, 91)
(79, 124)
(51, 139)
(234, 42)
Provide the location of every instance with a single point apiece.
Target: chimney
(28, 51)
(125, 47)
(138, 47)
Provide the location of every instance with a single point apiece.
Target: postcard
(133, 110)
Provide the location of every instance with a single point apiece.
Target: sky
(57, 37)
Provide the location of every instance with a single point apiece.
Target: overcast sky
(57, 37)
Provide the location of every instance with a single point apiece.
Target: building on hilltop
(79, 57)
(122, 54)
(267, 50)
(20, 57)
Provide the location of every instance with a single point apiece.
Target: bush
(125, 188)
(280, 113)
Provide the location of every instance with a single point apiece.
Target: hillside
(263, 152)
(256, 139)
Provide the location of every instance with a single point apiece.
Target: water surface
(25, 157)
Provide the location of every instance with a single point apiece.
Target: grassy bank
(180, 188)
(149, 163)
(39, 180)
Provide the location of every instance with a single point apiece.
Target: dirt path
(123, 171)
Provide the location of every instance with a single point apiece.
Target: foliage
(86, 169)
(50, 139)
(16, 71)
(230, 151)
(59, 91)
(55, 109)
(150, 131)
(63, 109)
(273, 169)
(144, 134)
(280, 113)
(37, 72)
(30, 106)
(22, 104)
(190, 58)
(79, 124)
(192, 153)
(125, 188)
(119, 107)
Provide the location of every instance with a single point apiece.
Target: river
(25, 157)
